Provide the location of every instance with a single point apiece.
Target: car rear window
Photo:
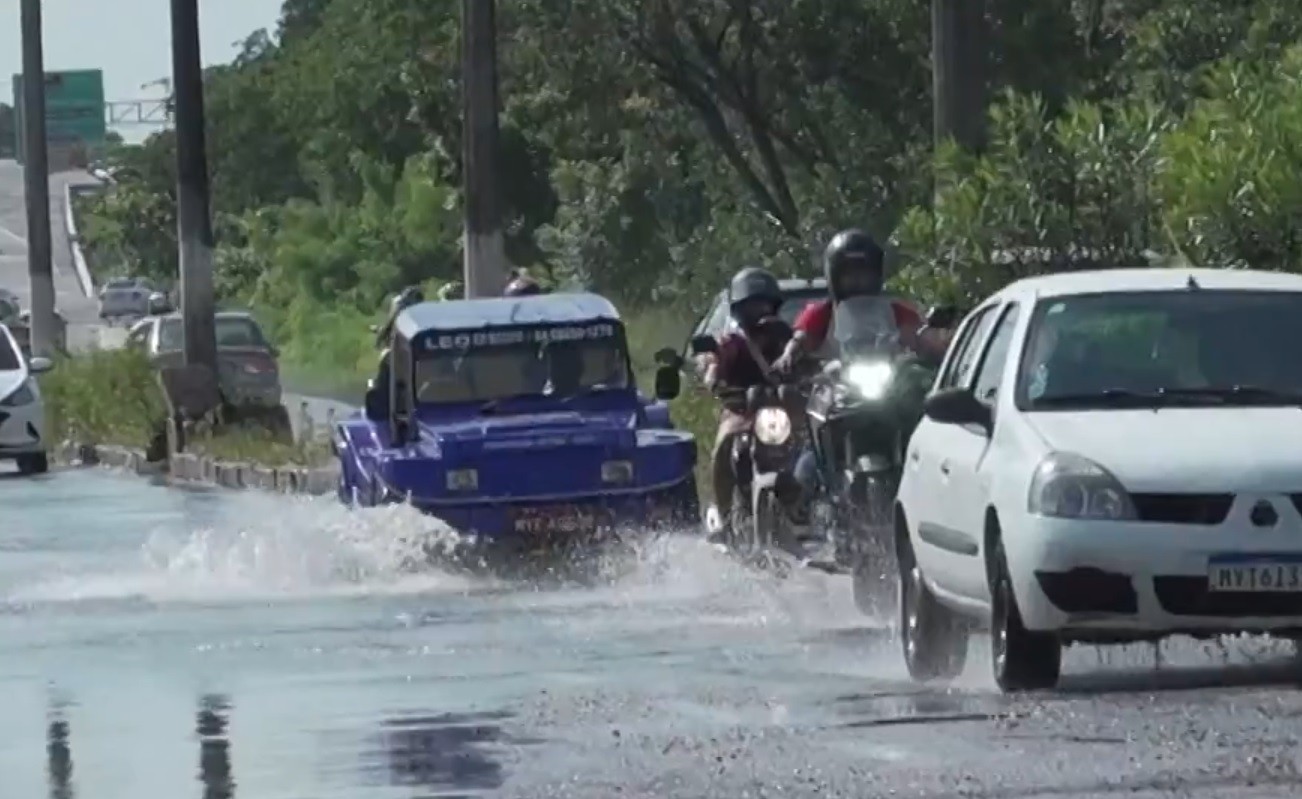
(231, 332)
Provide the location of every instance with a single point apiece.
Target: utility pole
(193, 222)
(40, 266)
(485, 250)
(959, 51)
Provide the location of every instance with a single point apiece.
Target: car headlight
(1067, 486)
(463, 479)
(772, 426)
(23, 396)
(871, 379)
(617, 472)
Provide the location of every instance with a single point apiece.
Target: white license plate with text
(1261, 576)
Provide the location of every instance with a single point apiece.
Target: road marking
(14, 236)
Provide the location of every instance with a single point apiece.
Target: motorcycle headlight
(23, 396)
(870, 379)
(772, 426)
(617, 472)
(1067, 486)
(463, 480)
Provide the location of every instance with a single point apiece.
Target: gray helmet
(753, 283)
(853, 250)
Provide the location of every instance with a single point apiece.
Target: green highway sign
(74, 110)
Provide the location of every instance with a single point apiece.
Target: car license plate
(554, 520)
(1256, 575)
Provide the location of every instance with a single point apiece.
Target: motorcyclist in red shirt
(743, 359)
(854, 266)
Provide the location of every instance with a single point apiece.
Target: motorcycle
(768, 511)
(858, 416)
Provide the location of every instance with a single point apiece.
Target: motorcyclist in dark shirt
(743, 359)
(522, 285)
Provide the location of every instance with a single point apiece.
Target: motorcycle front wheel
(873, 572)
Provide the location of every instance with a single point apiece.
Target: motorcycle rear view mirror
(666, 356)
(668, 383)
(958, 406)
(702, 344)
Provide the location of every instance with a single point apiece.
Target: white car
(1106, 457)
(22, 413)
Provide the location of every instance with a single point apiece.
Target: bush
(104, 397)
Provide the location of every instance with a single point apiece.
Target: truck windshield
(495, 365)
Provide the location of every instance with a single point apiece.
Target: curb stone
(187, 467)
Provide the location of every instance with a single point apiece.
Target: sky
(130, 40)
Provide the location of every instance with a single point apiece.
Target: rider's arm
(809, 330)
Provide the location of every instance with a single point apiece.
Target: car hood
(10, 380)
(1185, 450)
(608, 430)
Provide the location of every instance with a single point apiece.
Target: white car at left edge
(22, 412)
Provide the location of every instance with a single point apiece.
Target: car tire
(1022, 660)
(934, 639)
(38, 463)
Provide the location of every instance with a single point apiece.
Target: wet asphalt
(164, 642)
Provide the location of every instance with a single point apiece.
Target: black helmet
(521, 285)
(412, 295)
(854, 251)
(752, 283)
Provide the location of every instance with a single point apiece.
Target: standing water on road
(156, 642)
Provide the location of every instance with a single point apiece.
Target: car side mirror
(668, 383)
(668, 357)
(958, 406)
(377, 409)
(39, 365)
(702, 344)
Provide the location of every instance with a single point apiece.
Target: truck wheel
(1022, 660)
(934, 638)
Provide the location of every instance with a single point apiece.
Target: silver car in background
(125, 298)
(249, 375)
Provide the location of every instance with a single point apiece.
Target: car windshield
(10, 359)
(1192, 346)
(232, 331)
(563, 361)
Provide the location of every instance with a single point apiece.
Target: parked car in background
(10, 306)
(249, 376)
(22, 330)
(22, 413)
(125, 298)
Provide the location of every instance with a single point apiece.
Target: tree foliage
(652, 146)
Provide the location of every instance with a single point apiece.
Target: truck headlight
(463, 480)
(617, 472)
(772, 426)
(1068, 486)
(871, 379)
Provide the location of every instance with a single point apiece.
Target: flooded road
(165, 643)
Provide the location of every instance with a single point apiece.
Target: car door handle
(944, 467)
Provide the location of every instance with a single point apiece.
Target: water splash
(282, 549)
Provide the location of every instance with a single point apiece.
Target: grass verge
(113, 397)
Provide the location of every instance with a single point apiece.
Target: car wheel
(1022, 660)
(933, 637)
(38, 463)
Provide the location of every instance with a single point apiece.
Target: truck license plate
(553, 520)
(1263, 575)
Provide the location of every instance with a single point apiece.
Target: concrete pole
(40, 264)
(959, 46)
(485, 251)
(193, 221)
